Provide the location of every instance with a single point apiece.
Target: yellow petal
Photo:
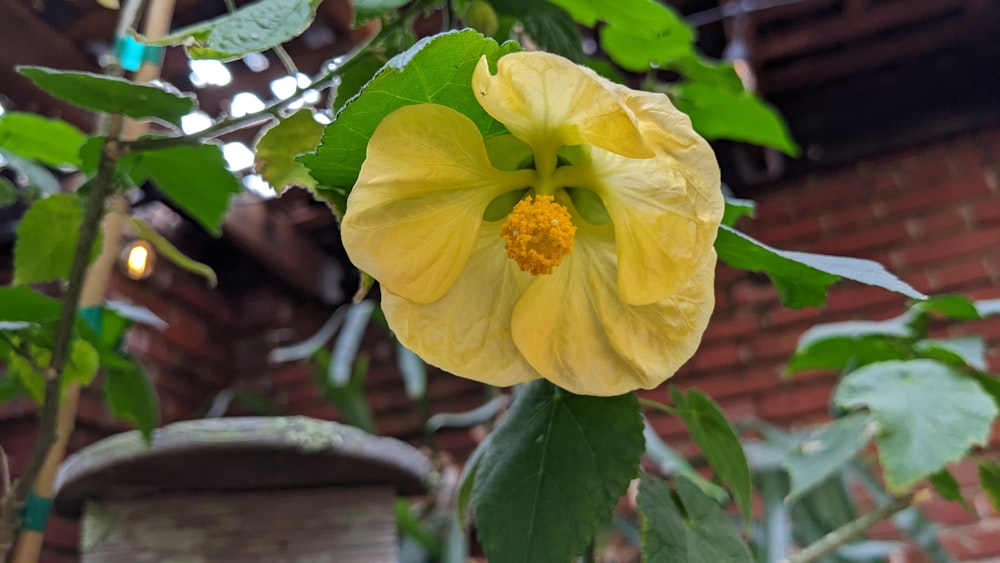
(574, 329)
(548, 101)
(467, 332)
(665, 210)
(413, 215)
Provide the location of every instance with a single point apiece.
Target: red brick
(988, 213)
(785, 316)
(927, 172)
(948, 512)
(856, 243)
(750, 291)
(774, 346)
(848, 218)
(955, 276)
(804, 229)
(950, 248)
(716, 356)
(742, 383)
(944, 221)
(914, 200)
(973, 541)
(859, 300)
(728, 328)
(786, 403)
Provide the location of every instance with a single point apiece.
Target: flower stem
(851, 530)
(656, 405)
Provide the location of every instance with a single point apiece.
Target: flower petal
(467, 331)
(549, 101)
(574, 329)
(666, 210)
(413, 215)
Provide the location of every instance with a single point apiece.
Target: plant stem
(12, 502)
(231, 124)
(656, 405)
(287, 62)
(825, 545)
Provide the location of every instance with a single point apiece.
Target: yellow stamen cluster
(538, 234)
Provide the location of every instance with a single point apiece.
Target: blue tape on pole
(131, 53)
(36, 512)
(94, 315)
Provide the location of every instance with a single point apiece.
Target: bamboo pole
(95, 286)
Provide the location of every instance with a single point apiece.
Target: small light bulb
(140, 259)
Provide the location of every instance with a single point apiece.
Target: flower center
(538, 234)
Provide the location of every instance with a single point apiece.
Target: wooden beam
(29, 40)
(272, 240)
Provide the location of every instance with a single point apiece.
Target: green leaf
(962, 351)
(802, 278)
(111, 95)
(11, 388)
(736, 208)
(686, 526)
(131, 396)
(250, 29)
(280, 144)
(669, 462)
(825, 450)
(46, 239)
(718, 442)
(167, 250)
(467, 479)
(51, 141)
(720, 113)
(24, 304)
(989, 480)
(952, 306)
(553, 472)
(946, 486)
(8, 193)
(80, 368)
(356, 77)
(929, 415)
(553, 30)
(195, 178)
(835, 346)
(365, 10)
(42, 181)
(118, 316)
(437, 69)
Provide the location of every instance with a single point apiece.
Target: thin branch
(231, 124)
(11, 503)
(851, 530)
(4, 471)
(656, 405)
(286, 61)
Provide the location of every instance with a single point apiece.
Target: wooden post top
(237, 454)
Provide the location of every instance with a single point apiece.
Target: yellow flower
(577, 249)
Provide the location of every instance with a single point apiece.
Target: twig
(828, 543)
(4, 471)
(12, 502)
(229, 125)
(656, 405)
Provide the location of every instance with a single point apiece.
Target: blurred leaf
(409, 524)
(281, 143)
(988, 307)
(252, 28)
(686, 526)
(349, 341)
(168, 251)
(719, 113)
(437, 69)
(130, 395)
(964, 350)
(718, 442)
(33, 137)
(553, 30)
(929, 415)
(946, 486)
(825, 451)
(193, 177)
(111, 95)
(11, 388)
(835, 346)
(553, 472)
(467, 479)
(356, 77)
(365, 10)
(38, 177)
(952, 306)
(309, 346)
(736, 208)
(802, 278)
(117, 316)
(46, 239)
(80, 368)
(989, 480)
(467, 419)
(414, 372)
(8, 193)
(670, 463)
